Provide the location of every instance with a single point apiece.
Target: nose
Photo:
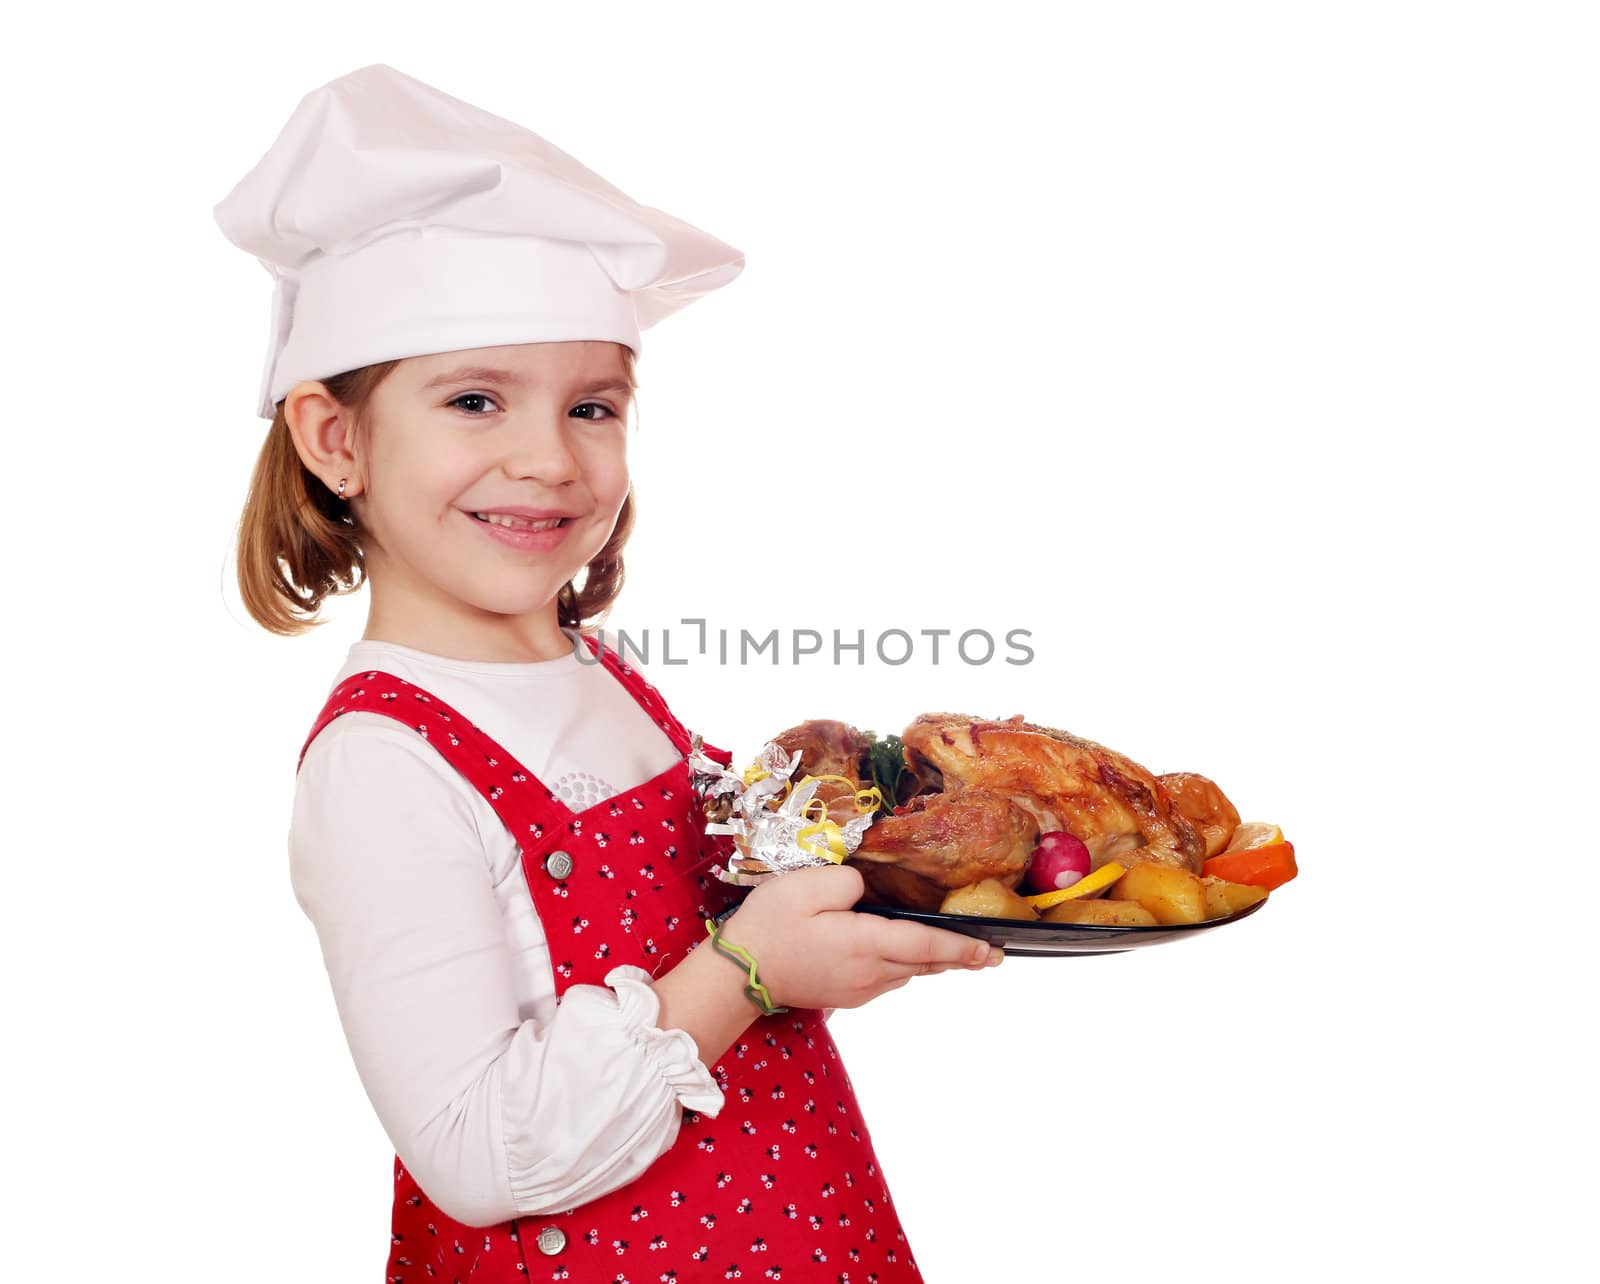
(539, 449)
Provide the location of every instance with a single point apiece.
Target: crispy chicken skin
(944, 841)
(1206, 806)
(826, 747)
(1064, 782)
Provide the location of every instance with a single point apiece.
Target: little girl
(493, 828)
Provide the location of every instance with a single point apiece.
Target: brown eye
(470, 396)
(595, 405)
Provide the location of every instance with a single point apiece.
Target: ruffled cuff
(673, 1053)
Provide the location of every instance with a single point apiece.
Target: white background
(1244, 353)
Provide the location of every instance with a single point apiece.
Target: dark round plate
(1043, 940)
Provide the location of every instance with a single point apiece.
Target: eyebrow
(511, 379)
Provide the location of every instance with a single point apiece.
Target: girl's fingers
(903, 972)
(899, 941)
(826, 887)
(909, 970)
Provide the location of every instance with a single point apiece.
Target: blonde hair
(299, 543)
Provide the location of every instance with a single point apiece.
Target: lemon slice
(1254, 834)
(1085, 886)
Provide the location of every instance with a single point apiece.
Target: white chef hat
(397, 221)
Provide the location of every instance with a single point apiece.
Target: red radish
(1059, 860)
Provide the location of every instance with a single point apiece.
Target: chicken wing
(1206, 806)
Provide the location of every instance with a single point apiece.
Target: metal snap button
(552, 1239)
(558, 864)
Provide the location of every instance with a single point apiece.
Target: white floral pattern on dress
(729, 1199)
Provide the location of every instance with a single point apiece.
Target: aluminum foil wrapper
(764, 825)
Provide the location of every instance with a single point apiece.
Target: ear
(324, 435)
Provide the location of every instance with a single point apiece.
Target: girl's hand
(814, 952)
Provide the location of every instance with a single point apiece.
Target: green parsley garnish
(886, 759)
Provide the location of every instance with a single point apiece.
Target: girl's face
(454, 436)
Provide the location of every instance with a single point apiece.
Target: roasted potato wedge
(1101, 912)
(1173, 895)
(1224, 898)
(989, 899)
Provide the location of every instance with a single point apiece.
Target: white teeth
(518, 523)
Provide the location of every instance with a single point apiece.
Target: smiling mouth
(521, 523)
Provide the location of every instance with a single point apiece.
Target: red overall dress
(784, 1182)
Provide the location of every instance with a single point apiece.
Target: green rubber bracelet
(754, 991)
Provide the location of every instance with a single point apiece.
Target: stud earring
(341, 487)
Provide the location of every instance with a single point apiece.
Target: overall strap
(649, 699)
(519, 797)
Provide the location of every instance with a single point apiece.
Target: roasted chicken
(977, 793)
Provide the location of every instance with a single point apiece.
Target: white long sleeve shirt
(500, 1102)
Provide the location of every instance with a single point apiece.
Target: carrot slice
(1268, 867)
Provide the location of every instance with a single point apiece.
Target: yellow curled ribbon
(868, 799)
(830, 838)
(833, 848)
